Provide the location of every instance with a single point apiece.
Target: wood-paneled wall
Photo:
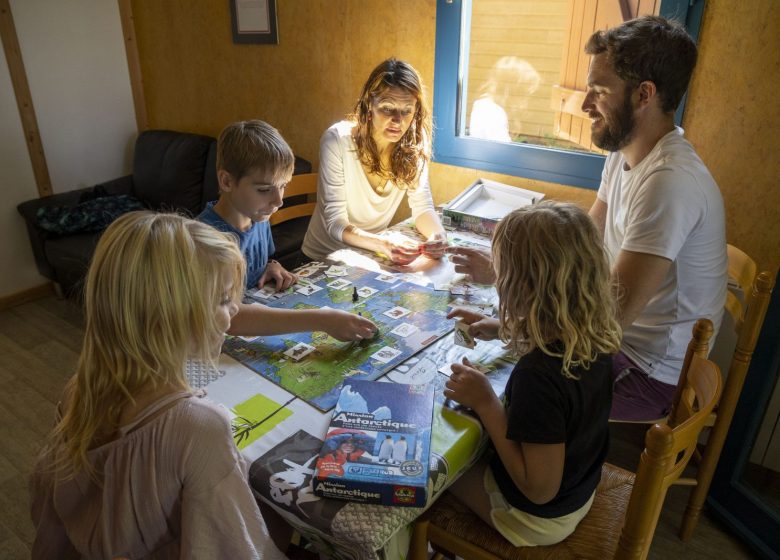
(196, 79)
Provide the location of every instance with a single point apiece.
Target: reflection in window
(499, 112)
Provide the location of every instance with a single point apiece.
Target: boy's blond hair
(249, 145)
(151, 297)
(553, 282)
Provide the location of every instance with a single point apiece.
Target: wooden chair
(747, 318)
(290, 222)
(746, 304)
(625, 512)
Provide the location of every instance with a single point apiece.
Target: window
(510, 79)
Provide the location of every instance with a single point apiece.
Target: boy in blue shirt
(254, 164)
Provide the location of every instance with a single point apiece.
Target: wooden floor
(39, 346)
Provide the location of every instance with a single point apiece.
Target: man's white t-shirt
(344, 195)
(668, 206)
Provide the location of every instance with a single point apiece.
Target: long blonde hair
(413, 150)
(151, 294)
(553, 283)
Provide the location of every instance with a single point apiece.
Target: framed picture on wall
(254, 21)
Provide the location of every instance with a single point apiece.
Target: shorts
(523, 529)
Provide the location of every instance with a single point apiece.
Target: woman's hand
(277, 273)
(400, 249)
(480, 326)
(435, 245)
(469, 387)
(345, 326)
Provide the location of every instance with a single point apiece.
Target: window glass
(510, 79)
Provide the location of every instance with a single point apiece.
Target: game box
(482, 205)
(377, 448)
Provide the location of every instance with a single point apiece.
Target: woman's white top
(344, 195)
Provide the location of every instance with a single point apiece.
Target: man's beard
(617, 132)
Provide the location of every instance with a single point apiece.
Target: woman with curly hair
(367, 163)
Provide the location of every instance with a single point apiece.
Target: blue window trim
(522, 160)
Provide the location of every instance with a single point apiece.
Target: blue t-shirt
(256, 243)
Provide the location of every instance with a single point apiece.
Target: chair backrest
(303, 186)
(668, 449)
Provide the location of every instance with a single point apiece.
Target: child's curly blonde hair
(553, 282)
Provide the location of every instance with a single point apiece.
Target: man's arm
(637, 278)
(598, 213)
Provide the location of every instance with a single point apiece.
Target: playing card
(336, 270)
(265, 293)
(308, 289)
(338, 284)
(299, 351)
(397, 312)
(306, 272)
(385, 354)
(404, 329)
(462, 336)
(389, 278)
(482, 368)
(365, 291)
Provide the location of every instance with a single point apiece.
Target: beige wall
(196, 79)
(75, 62)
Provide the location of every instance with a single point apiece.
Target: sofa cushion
(169, 169)
(70, 256)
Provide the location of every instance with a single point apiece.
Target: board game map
(313, 365)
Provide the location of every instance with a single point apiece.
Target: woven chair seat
(596, 536)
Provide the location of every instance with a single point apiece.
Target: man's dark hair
(649, 48)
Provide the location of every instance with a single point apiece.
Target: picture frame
(254, 22)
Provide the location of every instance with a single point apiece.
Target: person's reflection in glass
(511, 81)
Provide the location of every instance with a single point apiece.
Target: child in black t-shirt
(550, 438)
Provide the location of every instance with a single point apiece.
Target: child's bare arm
(259, 320)
(536, 469)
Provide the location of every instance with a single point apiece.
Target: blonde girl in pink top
(137, 466)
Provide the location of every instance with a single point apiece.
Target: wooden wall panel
(733, 119)
(196, 79)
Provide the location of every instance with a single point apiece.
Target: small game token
(397, 312)
(338, 284)
(308, 289)
(365, 291)
(385, 354)
(404, 329)
(299, 351)
(354, 294)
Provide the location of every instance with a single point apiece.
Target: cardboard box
(377, 448)
(481, 206)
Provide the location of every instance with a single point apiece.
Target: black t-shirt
(545, 407)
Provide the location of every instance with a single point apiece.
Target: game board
(313, 365)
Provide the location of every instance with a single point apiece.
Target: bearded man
(658, 208)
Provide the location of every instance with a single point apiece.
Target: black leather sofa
(172, 171)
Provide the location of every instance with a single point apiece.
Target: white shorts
(523, 529)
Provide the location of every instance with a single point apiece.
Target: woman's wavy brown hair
(553, 283)
(413, 150)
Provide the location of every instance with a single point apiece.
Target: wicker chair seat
(596, 536)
